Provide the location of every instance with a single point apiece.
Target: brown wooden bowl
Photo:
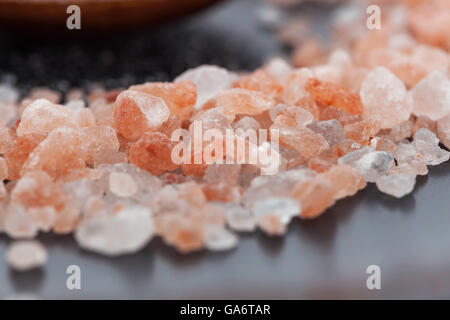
(96, 15)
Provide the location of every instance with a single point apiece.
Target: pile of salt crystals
(375, 111)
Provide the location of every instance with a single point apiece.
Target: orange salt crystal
(85, 117)
(66, 221)
(261, 81)
(170, 125)
(309, 104)
(362, 131)
(272, 225)
(62, 151)
(329, 94)
(294, 88)
(36, 189)
(137, 112)
(6, 138)
(343, 117)
(240, 101)
(345, 180)
(3, 170)
(19, 151)
(99, 139)
(180, 96)
(152, 152)
(315, 194)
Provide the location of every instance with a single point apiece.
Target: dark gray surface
(323, 258)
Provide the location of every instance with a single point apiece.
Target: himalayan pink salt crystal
(246, 123)
(43, 217)
(240, 101)
(42, 116)
(413, 167)
(240, 219)
(3, 169)
(431, 96)
(220, 182)
(109, 156)
(99, 139)
(45, 93)
(170, 125)
(74, 94)
(17, 223)
(209, 80)
(383, 144)
(6, 138)
(305, 141)
(8, 112)
(362, 131)
(103, 112)
(406, 152)
(26, 255)
(180, 97)
(329, 94)
(424, 122)
(85, 117)
(427, 144)
(212, 119)
(346, 180)
(310, 105)
(218, 238)
(397, 184)
(271, 224)
(61, 152)
(36, 189)
(384, 97)
(76, 174)
(400, 131)
(153, 152)
(443, 131)
(351, 157)
(3, 198)
(294, 88)
(137, 112)
(66, 221)
(343, 117)
(309, 53)
(284, 208)
(331, 130)
(124, 232)
(122, 184)
(19, 151)
(373, 165)
(279, 69)
(261, 81)
(315, 195)
(299, 117)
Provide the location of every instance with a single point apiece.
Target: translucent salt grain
(331, 130)
(122, 184)
(26, 255)
(240, 219)
(209, 81)
(17, 224)
(427, 144)
(126, 231)
(42, 116)
(384, 97)
(443, 130)
(3, 169)
(217, 238)
(396, 184)
(373, 165)
(43, 217)
(284, 208)
(431, 96)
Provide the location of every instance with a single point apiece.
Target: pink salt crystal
(315, 195)
(6, 138)
(331, 130)
(98, 139)
(67, 220)
(153, 152)
(301, 117)
(44, 93)
(431, 96)
(36, 189)
(43, 217)
(345, 179)
(384, 98)
(397, 184)
(17, 223)
(424, 122)
(295, 84)
(271, 224)
(74, 94)
(3, 169)
(127, 231)
(26, 255)
(19, 151)
(137, 112)
(85, 117)
(240, 219)
(209, 80)
(246, 123)
(362, 131)
(122, 184)
(109, 156)
(170, 125)
(383, 144)
(278, 68)
(261, 81)
(400, 131)
(180, 97)
(103, 112)
(443, 131)
(42, 116)
(218, 238)
(8, 112)
(240, 101)
(427, 144)
(305, 141)
(343, 117)
(62, 151)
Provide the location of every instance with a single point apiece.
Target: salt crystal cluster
(376, 110)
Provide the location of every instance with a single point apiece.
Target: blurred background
(323, 258)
